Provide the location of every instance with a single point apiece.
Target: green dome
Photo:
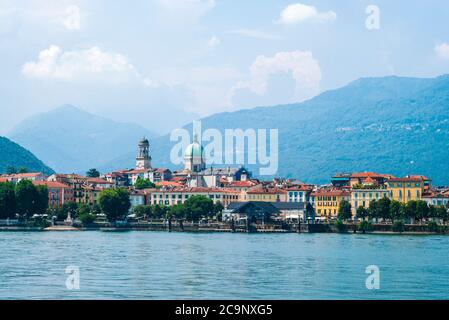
(194, 150)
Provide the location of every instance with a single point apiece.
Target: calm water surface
(148, 265)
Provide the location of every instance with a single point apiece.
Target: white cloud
(256, 34)
(72, 19)
(84, 65)
(304, 68)
(442, 51)
(298, 13)
(214, 41)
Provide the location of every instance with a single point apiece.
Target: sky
(163, 63)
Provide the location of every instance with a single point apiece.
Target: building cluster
(235, 188)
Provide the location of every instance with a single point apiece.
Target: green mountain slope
(13, 155)
(392, 125)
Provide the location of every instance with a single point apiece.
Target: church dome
(194, 150)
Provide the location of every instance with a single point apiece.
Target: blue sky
(162, 63)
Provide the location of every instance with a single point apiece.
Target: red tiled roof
(98, 181)
(367, 174)
(241, 184)
(418, 177)
(369, 180)
(168, 184)
(25, 175)
(51, 184)
(333, 192)
(262, 190)
(196, 190)
(303, 187)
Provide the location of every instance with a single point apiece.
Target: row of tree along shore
(25, 205)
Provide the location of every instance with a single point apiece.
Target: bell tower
(143, 159)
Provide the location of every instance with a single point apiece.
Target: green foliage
(361, 213)
(397, 211)
(365, 226)
(432, 226)
(442, 213)
(93, 173)
(86, 218)
(143, 211)
(177, 211)
(341, 227)
(197, 207)
(344, 210)
(30, 199)
(7, 200)
(115, 203)
(383, 208)
(398, 226)
(14, 158)
(82, 209)
(143, 184)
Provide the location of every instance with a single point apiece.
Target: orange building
(58, 193)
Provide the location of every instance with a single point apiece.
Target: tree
(177, 211)
(422, 210)
(197, 207)
(372, 210)
(361, 213)
(142, 211)
(158, 211)
(396, 210)
(28, 198)
(7, 200)
(115, 203)
(82, 209)
(410, 211)
(344, 210)
(383, 209)
(442, 213)
(41, 204)
(96, 209)
(93, 173)
(144, 184)
(86, 218)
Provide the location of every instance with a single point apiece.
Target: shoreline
(205, 230)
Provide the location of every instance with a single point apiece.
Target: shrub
(87, 218)
(432, 226)
(341, 227)
(365, 226)
(398, 226)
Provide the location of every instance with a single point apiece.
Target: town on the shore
(202, 198)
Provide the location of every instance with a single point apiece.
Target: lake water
(151, 265)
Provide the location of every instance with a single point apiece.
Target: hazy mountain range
(391, 125)
(69, 139)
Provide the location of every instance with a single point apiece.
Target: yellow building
(327, 202)
(407, 189)
(364, 195)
